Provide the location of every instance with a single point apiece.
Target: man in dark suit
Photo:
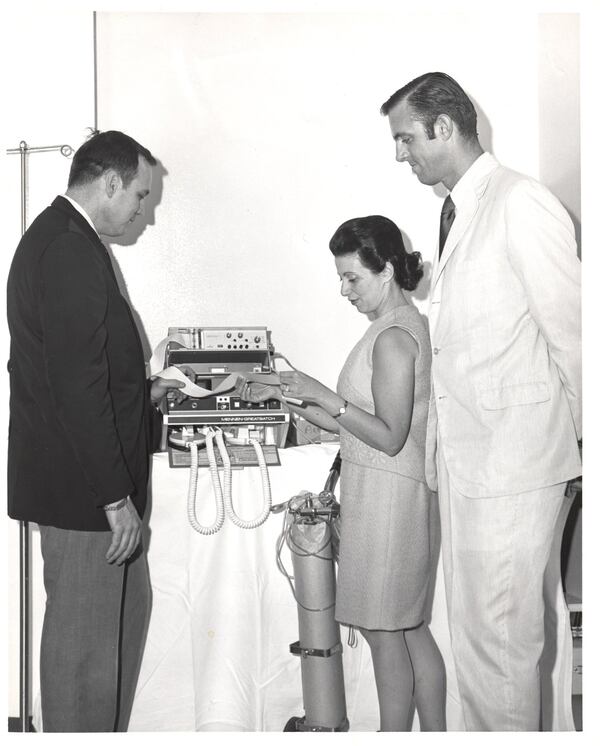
(82, 426)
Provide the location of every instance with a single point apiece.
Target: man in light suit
(82, 426)
(505, 410)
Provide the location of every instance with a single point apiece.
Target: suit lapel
(465, 212)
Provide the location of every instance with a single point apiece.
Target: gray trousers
(94, 632)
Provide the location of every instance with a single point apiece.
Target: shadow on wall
(577, 224)
(485, 138)
(131, 237)
(484, 128)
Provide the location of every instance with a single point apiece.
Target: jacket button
(436, 350)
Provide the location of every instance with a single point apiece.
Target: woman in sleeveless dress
(380, 410)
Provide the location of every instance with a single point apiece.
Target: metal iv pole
(24, 551)
(24, 534)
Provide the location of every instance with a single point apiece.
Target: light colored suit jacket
(505, 324)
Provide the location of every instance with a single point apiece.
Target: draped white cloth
(217, 655)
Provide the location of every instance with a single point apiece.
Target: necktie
(446, 220)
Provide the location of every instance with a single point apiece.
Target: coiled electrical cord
(193, 486)
(223, 493)
(266, 486)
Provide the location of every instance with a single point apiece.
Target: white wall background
(268, 131)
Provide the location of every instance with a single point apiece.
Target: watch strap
(342, 410)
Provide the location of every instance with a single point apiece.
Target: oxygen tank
(311, 540)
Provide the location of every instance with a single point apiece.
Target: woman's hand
(256, 392)
(298, 385)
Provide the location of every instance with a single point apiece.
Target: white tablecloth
(217, 655)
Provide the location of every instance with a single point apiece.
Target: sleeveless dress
(387, 515)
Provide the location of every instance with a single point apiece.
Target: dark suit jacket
(81, 421)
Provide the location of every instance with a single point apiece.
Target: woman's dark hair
(104, 151)
(378, 240)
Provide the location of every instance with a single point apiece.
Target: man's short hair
(104, 151)
(433, 94)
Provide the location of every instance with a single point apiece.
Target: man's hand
(161, 386)
(126, 528)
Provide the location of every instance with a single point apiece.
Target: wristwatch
(341, 410)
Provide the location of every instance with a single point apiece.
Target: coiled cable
(193, 486)
(223, 493)
(227, 493)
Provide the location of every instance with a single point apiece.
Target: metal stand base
(299, 725)
(15, 725)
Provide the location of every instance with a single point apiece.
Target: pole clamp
(296, 649)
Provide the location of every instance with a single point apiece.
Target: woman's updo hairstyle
(378, 240)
